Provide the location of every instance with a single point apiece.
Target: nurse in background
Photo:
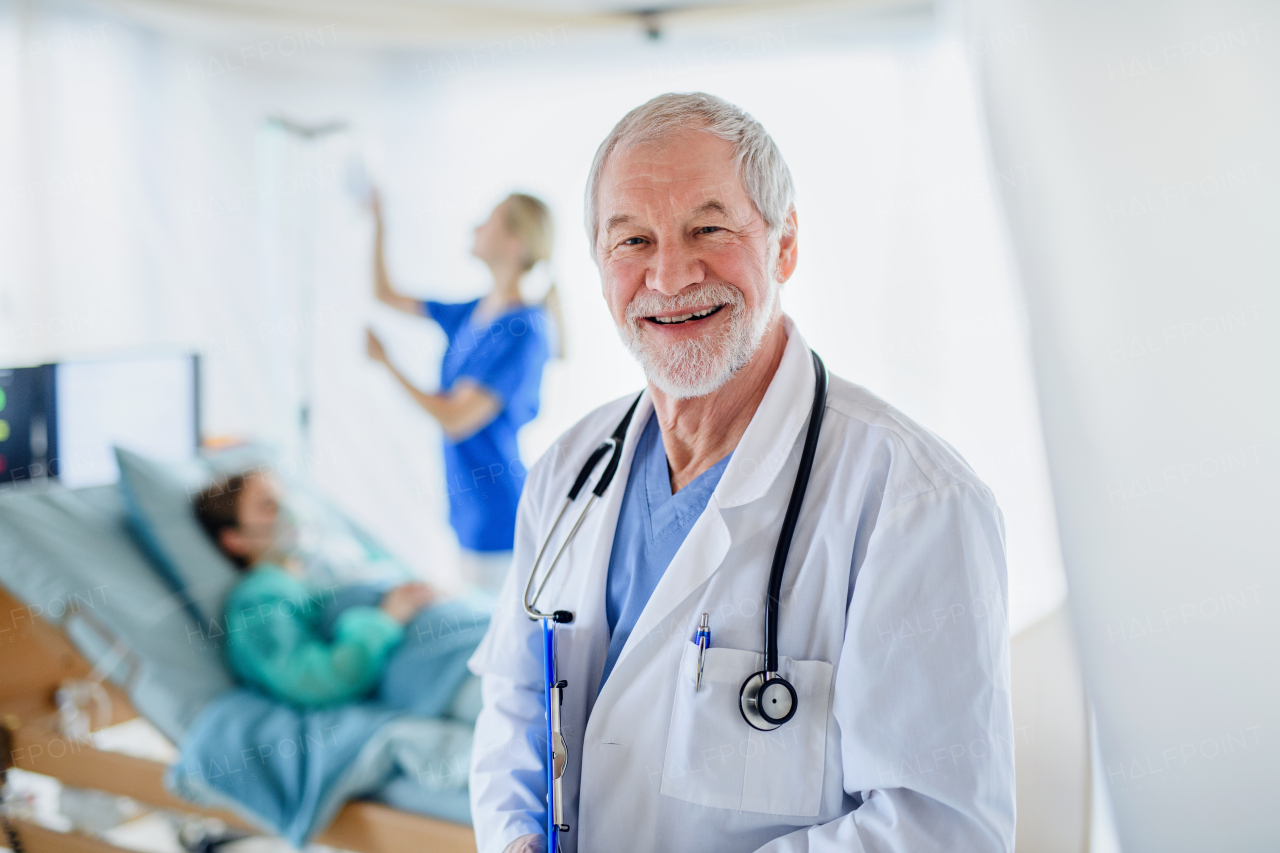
(489, 380)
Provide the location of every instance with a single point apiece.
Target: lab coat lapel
(771, 437)
(697, 560)
(766, 445)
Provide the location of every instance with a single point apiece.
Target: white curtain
(149, 202)
(1146, 236)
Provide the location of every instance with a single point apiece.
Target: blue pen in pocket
(703, 639)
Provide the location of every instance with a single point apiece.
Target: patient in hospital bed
(373, 680)
(282, 634)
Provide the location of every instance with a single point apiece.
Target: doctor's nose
(674, 267)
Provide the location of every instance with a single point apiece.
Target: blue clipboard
(555, 817)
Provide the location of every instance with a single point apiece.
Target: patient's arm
(382, 288)
(402, 602)
(272, 644)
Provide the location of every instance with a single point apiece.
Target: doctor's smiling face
(690, 273)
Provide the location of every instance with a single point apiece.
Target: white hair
(763, 172)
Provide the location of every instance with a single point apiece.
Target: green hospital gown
(275, 644)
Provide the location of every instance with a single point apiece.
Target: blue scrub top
(652, 525)
(484, 472)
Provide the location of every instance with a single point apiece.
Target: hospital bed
(80, 601)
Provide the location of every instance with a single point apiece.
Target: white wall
(145, 203)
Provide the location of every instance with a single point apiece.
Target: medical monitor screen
(24, 438)
(148, 404)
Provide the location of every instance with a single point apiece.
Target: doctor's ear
(788, 249)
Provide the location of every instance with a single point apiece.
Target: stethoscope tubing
(612, 443)
(530, 604)
(773, 601)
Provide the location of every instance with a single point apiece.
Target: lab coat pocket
(715, 759)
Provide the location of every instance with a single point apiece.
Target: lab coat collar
(771, 435)
(762, 451)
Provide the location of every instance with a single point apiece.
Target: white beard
(698, 366)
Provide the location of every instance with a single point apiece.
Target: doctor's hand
(527, 844)
(407, 599)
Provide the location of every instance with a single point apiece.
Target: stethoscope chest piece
(767, 701)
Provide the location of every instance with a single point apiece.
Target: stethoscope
(766, 700)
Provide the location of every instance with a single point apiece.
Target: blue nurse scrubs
(484, 473)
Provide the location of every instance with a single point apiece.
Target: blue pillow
(157, 497)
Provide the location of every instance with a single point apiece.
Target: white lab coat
(893, 631)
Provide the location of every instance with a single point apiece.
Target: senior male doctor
(892, 623)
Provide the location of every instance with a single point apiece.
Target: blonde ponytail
(529, 218)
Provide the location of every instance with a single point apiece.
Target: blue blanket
(291, 769)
